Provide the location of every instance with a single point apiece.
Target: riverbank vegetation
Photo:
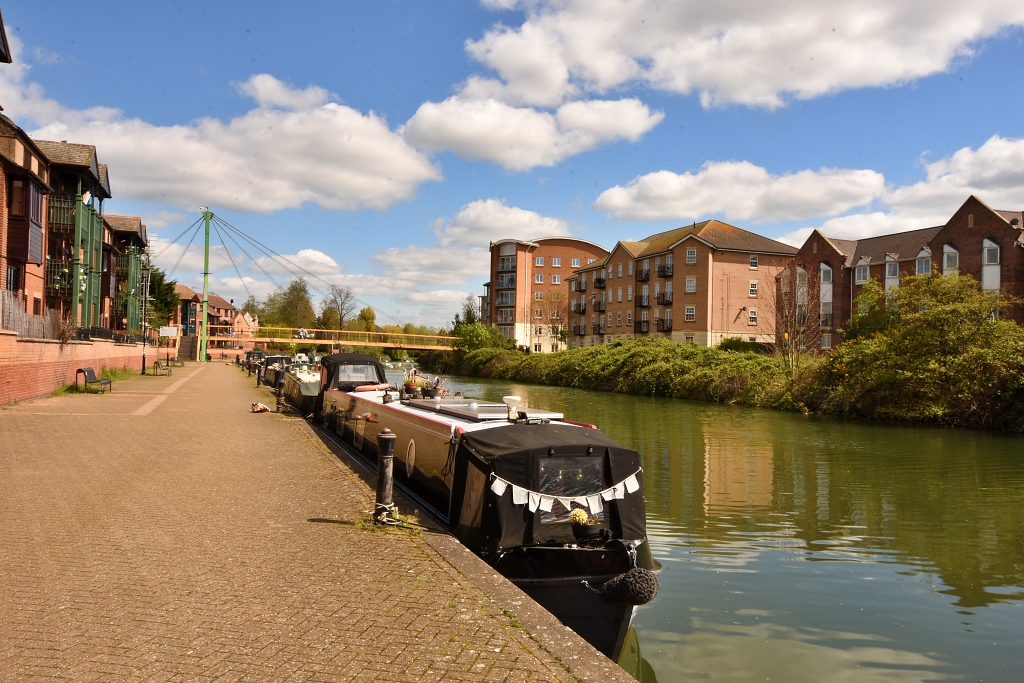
(935, 350)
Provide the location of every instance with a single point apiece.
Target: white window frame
(538, 296)
(538, 278)
(629, 268)
(826, 274)
(752, 292)
(826, 340)
(538, 261)
(556, 262)
(618, 319)
(691, 257)
(538, 313)
(924, 265)
(752, 316)
(861, 274)
(620, 270)
(690, 315)
(890, 267)
(950, 260)
(629, 319)
(986, 252)
(556, 279)
(575, 263)
(618, 295)
(753, 262)
(629, 293)
(691, 285)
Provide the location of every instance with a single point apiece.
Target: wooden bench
(90, 379)
(159, 367)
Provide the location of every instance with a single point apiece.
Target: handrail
(354, 337)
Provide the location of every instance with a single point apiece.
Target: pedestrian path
(164, 532)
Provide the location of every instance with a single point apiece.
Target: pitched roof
(184, 291)
(634, 248)
(220, 302)
(591, 266)
(900, 245)
(71, 154)
(719, 235)
(104, 179)
(127, 224)
(1010, 215)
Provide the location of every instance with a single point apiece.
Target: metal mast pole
(205, 337)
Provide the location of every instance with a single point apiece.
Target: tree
(798, 317)
(367, 319)
(164, 301)
(291, 307)
(252, 306)
(337, 308)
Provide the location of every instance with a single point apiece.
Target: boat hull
(302, 395)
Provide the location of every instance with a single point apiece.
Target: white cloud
(742, 190)
(448, 298)
(233, 288)
(436, 266)
(183, 257)
(161, 219)
(310, 260)
(520, 138)
(745, 52)
(485, 220)
(294, 148)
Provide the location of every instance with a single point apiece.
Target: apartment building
(829, 273)
(527, 296)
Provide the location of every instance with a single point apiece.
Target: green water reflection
(798, 548)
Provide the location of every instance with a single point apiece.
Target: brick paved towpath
(163, 532)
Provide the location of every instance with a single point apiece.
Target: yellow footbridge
(298, 335)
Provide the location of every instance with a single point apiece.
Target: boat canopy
(346, 371)
(559, 461)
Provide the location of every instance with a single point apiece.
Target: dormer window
(892, 269)
(862, 274)
(826, 274)
(950, 260)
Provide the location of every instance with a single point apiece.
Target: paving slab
(164, 532)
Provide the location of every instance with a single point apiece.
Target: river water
(805, 549)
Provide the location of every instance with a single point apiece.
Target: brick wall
(30, 368)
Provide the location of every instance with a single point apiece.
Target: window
(753, 261)
(539, 331)
(826, 274)
(618, 320)
(629, 267)
(590, 260)
(508, 249)
(537, 347)
(539, 261)
(753, 289)
(752, 316)
(556, 296)
(860, 276)
(538, 296)
(924, 265)
(951, 260)
(506, 315)
(506, 299)
(691, 285)
(629, 293)
(620, 270)
(538, 278)
(556, 262)
(556, 279)
(506, 263)
(629, 318)
(618, 295)
(688, 338)
(691, 314)
(538, 313)
(892, 269)
(691, 256)
(575, 263)
(17, 197)
(991, 256)
(801, 278)
(826, 341)
(13, 279)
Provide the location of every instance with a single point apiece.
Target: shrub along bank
(933, 351)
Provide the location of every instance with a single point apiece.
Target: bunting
(536, 500)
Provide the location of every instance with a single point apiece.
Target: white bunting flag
(581, 501)
(534, 501)
(595, 503)
(608, 494)
(632, 485)
(499, 487)
(620, 492)
(566, 502)
(546, 502)
(519, 495)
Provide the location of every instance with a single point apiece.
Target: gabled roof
(591, 266)
(127, 225)
(104, 179)
(718, 235)
(184, 292)
(218, 301)
(81, 157)
(9, 131)
(901, 246)
(1010, 215)
(631, 248)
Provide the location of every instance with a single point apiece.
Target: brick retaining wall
(30, 368)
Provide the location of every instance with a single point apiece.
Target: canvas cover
(556, 459)
(332, 364)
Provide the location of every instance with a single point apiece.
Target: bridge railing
(299, 335)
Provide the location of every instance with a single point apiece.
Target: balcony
(643, 301)
(62, 214)
(643, 275)
(580, 331)
(506, 282)
(506, 263)
(664, 298)
(826, 320)
(58, 278)
(664, 324)
(599, 306)
(666, 270)
(600, 329)
(642, 326)
(599, 283)
(581, 307)
(582, 286)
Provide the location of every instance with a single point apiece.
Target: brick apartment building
(527, 297)
(700, 283)
(830, 272)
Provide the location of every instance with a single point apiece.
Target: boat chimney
(512, 402)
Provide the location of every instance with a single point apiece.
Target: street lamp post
(145, 300)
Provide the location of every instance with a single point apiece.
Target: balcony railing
(599, 306)
(643, 275)
(600, 329)
(580, 331)
(62, 214)
(581, 307)
(643, 301)
(506, 263)
(58, 277)
(642, 326)
(582, 286)
(665, 298)
(826, 320)
(665, 270)
(664, 324)
(506, 282)
(599, 283)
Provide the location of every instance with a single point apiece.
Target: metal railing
(665, 298)
(643, 275)
(665, 270)
(642, 326)
(643, 301)
(599, 283)
(301, 335)
(579, 331)
(58, 278)
(599, 306)
(61, 214)
(664, 324)
(600, 329)
(582, 286)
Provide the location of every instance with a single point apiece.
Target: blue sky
(384, 144)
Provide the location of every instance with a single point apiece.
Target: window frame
(753, 262)
(691, 285)
(691, 257)
(690, 314)
(751, 316)
(752, 291)
(860, 277)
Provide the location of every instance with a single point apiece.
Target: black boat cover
(330, 365)
(554, 459)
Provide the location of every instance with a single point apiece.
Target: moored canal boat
(301, 386)
(510, 482)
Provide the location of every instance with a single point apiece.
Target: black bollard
(382, 513)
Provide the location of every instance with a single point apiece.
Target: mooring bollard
(382, 512)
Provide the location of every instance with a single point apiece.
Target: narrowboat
(514, 485)
(301, 386)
